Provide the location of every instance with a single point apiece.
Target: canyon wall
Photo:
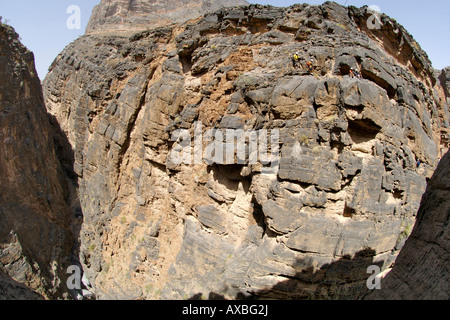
(94, 169)
(421, 270)
(35, 238)
(126, 15)
(354, 153)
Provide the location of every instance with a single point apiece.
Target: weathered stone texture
(35, 239)
(422, 270)
(126, 15)
(345, 189)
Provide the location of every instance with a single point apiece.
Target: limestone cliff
(355, 153)
(35, 240)
(422, 270)
(444, 77)
(126, 15)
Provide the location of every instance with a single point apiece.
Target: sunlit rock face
(126, 15)
(354, 153)
(421, 270)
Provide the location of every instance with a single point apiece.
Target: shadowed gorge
(36, 239)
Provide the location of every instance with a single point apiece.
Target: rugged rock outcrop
(444, 77)
(12, 290)
(354, 153)
(35, 240)
(422, 269)
(129, 15)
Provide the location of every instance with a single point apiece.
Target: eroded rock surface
(347, 185)
(35, 240)
(127, 15)
(422, 270)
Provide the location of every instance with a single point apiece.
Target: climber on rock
(310, 66)
(296, 60)
(357, 73)
(354, 73)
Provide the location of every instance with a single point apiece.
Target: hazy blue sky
(42, 23)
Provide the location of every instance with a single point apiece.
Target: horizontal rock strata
(354, 153)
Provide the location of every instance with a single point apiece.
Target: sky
(44, 29)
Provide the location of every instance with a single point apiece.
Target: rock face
(343, 193)
(35, 242)
(127, 15)
(445, 80)
(422, 270)
(12, 290)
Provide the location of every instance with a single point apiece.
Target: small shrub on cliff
(304, 140)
